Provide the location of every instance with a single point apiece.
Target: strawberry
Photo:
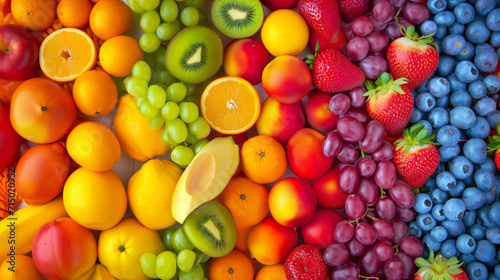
(494, 145)
(439, 268)
(333, 72)
(351, 9)
(415, 156)
(390, 102)
(412, 57)
(323, 18)
(305, 262)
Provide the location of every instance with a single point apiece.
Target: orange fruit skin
(119, 54)
(74, 13)
(95, 93)
(42, 111)
(36, 15)
(41, 172)
(263, 159)
(233, 266)
(110, 18)
(24, 269)
(272, 272)
(242, 238)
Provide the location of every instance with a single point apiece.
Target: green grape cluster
(181, 260)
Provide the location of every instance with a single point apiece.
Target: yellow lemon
(121, 247)
(284, 32)
(95, 200)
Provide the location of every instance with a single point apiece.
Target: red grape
(348, 179)
(364, 234)
(393, 31)
(356, 97)
(373, 66)
(377, 41)
(409, 264)
(358, 48)
(347, 271)
(348, 32)
(405, 214)
(401, 193)
(339, 104)
(368, 263)
(350, 129)
(355, 247)
(412, 246)
(332, 144)
(374, 136)
(394, 269)
(377, 23)
(361, 26)
(384, 152)
(349, 154)
(398, 3)
(403, 21)
(383, 229)
(344, 231)
(385, 174)
(359, 114)
(383, 250)
(368, 191)
(383, 10)
(400, 231)
(336, 254)
(386, 208)
(416, 13)
(354, 207)
(366, 166)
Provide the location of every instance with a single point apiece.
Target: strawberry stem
(411, 34)
(309, 60)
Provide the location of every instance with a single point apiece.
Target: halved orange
(230, 105)
(67, 53)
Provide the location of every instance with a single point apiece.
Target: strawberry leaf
(498, 128)
(447, 276)
(496, 138)
(423, 133)
(309, 61)
(400, 145)
(310, 56)
(316, 50)
(493, 146)
(311, 67)
(421, 262)
(490, 139)
(455, 270)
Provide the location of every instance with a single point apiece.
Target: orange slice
(230, 105)
(67, 53)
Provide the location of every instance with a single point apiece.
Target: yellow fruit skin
(135, 240)
(205, 177)
(150, 192)
(28, 220)
(97, 272)
(136, 138)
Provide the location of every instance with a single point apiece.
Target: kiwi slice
(194, 55)
(237, 18)
(211, 229)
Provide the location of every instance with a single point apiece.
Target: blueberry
(462, 117)
(483, 217)
(495, 39)
(492, 84)
(492, 20)
(425, 101)
(477, 32)
(438, 212)
(470, 218)
(494, 213)
(441, 32)
(484, 7)
(475, 150)
(449, 248)
(466, 259)
(438, 196)
(438, 117)
(444, 18)
(416, 115)
(466, 71)
(461, 167)
(429, 27)
(497, 270)
(477, 271)
(456, 28)
(436, 6)
(438, 234)
(465, 244)
(439, 86)
(454, 209)
(491, 264)
(427, 125)
(485, 251)
(477, 232)
(467, 53)
(443, 101)
(493, 235)
(484, 106)
(414, 229)
(489, 164)
(423, 203)
(485, 180)
(464, 13)
(469, 181)
(454, 228)
(494, 118)
(487, 62)
(446, 65)
(473, 198)
(457, 190)
(423, 86)
(440, 168)
(452, 44)
(430, 244)
(438, 41)
(460, 98)
(448, 135)
(453, 3)
(484, 47)
(430, 183)
(455, 83)
(446, 181)
(447, 153)
(489, 197)
(480, 129)
(425, 221)
(477, 89)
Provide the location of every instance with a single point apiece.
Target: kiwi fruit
(237, 18)
(194, 54)
(211, 229)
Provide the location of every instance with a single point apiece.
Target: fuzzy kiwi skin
(233, 36)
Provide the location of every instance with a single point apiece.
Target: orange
(233, 266)
(242, 238)
(67, 53)
(230, 105)
(74, 13)
(119, 54)
(263, 159)
(24, 269)
(110, 18)
(36, 15)
(272, 272)
(247, 201)
(95, 93)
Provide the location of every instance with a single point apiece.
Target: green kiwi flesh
(237, 18)
(194, 55)
(211, 229)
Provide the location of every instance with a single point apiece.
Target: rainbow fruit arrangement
(374, 155)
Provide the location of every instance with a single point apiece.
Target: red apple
(305, 155)
(319, 232)
(328, 191)
(10, 141)
(18, 53)
(318, 113)
(279, 4)
(246, 58)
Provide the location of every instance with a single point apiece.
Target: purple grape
(336, 254)
(400, 231)
(384, 152)
(393, 31)
(398, 3)
(401, 20)
(364, 234)
(368, 190)
(373, 66)
(383, 229)
(377, 41)
(378, 25)
(354, 207)
(374, 136)
(356, 97)
(350, 129)
(385, 174)
(349, 179)
(358, 48)
(339, 104)
(383, 250)
(344, 231)
(401, 193)
(368, 263)
(412, 246)
(416, 13)
(361, 26)
(347, 271)
(355, 247)
(366, 167)
(409, 264)
(348, 32)
(332, 144)
(359, 114)
(405, 214)
(383, 10)
(394, 269)
(349, 154)
(386, 208)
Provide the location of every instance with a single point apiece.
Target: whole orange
(272, 272)
(232, 266)
(110, 18)
(95, 93)
(74, 13)
(263, 159)
(24, 268)
(119, 54)
(36, 15)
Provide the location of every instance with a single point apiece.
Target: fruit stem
(382, 192)
(368, 277)
(396, 249)
(362, 154)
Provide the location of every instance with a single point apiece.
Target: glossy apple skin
(246, 58)
(280, 120)
(328, 191)
(318, 113)
(319, 232)
(279, 4)
(18, 53)
(305, 156)
(10, 141)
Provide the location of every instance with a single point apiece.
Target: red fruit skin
(18, 54)
(246, 58)
(416, 166)
(497, 158)
(409, 60)
(279, 4)
(460, 276)
(392, 109)
(302, 257)
(318, 113)
(10, 141)
(327, 189)
(333, 72)
(351, 9)
(319, 232)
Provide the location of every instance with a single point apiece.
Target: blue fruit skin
(425, 101)
(477, 32)
(438, 117)
(466, 259)
(438, 196)
(449, 248)
(492, 83)
(455, 83)
(494, 118)
(489, 197)
(447, 153)
(489, 164)
(473, 198)
(466, 71)
(446, 65)
(446, 181)
(469, 218)
(448, 135)
(487, 62)
(476, 231)
(453, 44)
(475, 150)
(458, 189)
(497, 270)
(477, 89)
(460, 98)
(462, 117)
(427, 125)
(428, 27)
(484, 47)
(456, 28)
(483, 217)
(438, 213)
(423, 203)
(464, 13)
(494, 213)
(485, 251)
(439, 86)
(430, 244)
(416, 115)
(493, 235)
(453, 3)
(484, 7)
(454, 228)
(461, 167)
(441, 32)
(495, 39)
(477, 271)
(467, 53)
(484, 106)
(454, 209)
(444, 18)
(439, 234)
(492, 20)
(436, 6)
(485, 180)
(443, 101)
(430, 184)
(480, 129)
(465, 244)
(414, 229)
(425, 221)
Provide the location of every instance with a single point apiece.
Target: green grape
(186, 258)
(148, 265)
(181, 242)
(194, 274)
(156, 96)
(177, 130)
(138, 102)
(166, 265)
(141, 70)
(170, 111)
(194, 3)
(165, 136)
(169, 10)
(192, 89)
(164, 78)
(150, 21)
(199, 145)
(191, 138)
(149, 42)
(137, 87)
(182, 155)
(156, 122)
(148, 111)
(188, 111)
(200, 128)
(149, 4)
(160, 57)
(168, 238)
(124, 83)
(176, 92)
(167, 31)
(203, 18)
(190, 16)
(193, 98)
(135, 6)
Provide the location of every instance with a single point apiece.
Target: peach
(318, 113)
(280, 120)
(246, 58)
(305, 156)
(287, 79)
(328, 191)
(319, 231)
(292, 202)
(270, 243)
